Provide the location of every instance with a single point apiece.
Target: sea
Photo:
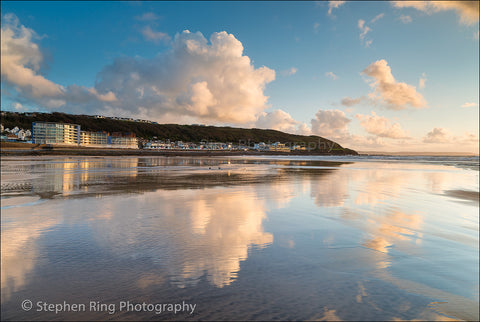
(239, 238)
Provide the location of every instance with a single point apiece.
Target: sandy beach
(252, 237)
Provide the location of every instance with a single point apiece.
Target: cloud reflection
(193, 232)
(19, 249)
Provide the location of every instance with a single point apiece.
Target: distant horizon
(383, 76)
(419, 153)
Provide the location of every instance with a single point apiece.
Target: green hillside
(176, 132)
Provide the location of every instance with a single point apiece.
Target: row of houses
(71, 134)
(123, 119)
(167, 145)
(53, 133)
(15, 134)
(180, 145)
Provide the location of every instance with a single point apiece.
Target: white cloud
(19, 107)
(394, 94)
(281, 121)
(381, 126)
(468, 11)
(331, 75)
(20, 66)
(377, 17)
(195, 81)
(147, 16)
(154, 36)
(303, 129)
(330, 124)
(21, 60)
(364, 29)
(470, 104)
(108, 97)
(437, 135)
(290, 71)
(316, 25)
(334, 5)
(405, 19)
(277, 120)
(422, 81)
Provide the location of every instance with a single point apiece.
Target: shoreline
(140, 152)
(135, 152)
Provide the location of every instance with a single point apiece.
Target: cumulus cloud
(422, 81)
(437, 135)
(154, 36)
(405, 19)
(281, 121)
(331, 75)
(470, 104)
(21, 60)
(381, 126)
(19, 107)
(395, 94)
(334, 5)
(330, 124)
(196, 80)
(20, 69)
(277, 120)
(290, 71)
(468, 11)
(303, 129)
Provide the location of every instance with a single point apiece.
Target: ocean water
(242, 238)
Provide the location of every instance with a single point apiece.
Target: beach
(241, 237)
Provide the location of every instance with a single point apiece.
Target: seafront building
(93, 138)
(124, 141)
(71, 134)
(55, 133)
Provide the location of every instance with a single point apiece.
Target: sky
(387, 76)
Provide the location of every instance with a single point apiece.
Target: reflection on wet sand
(391, 228)
(69, 177)
(224, 226)
(19, 252)
(192, 222)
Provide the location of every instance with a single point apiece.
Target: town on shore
(59, 134)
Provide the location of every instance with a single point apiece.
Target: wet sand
(244, 238)
(468, 195)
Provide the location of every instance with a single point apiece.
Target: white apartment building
(70, 134)
(55, 133)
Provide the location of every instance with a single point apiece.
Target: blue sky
(124, 58)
